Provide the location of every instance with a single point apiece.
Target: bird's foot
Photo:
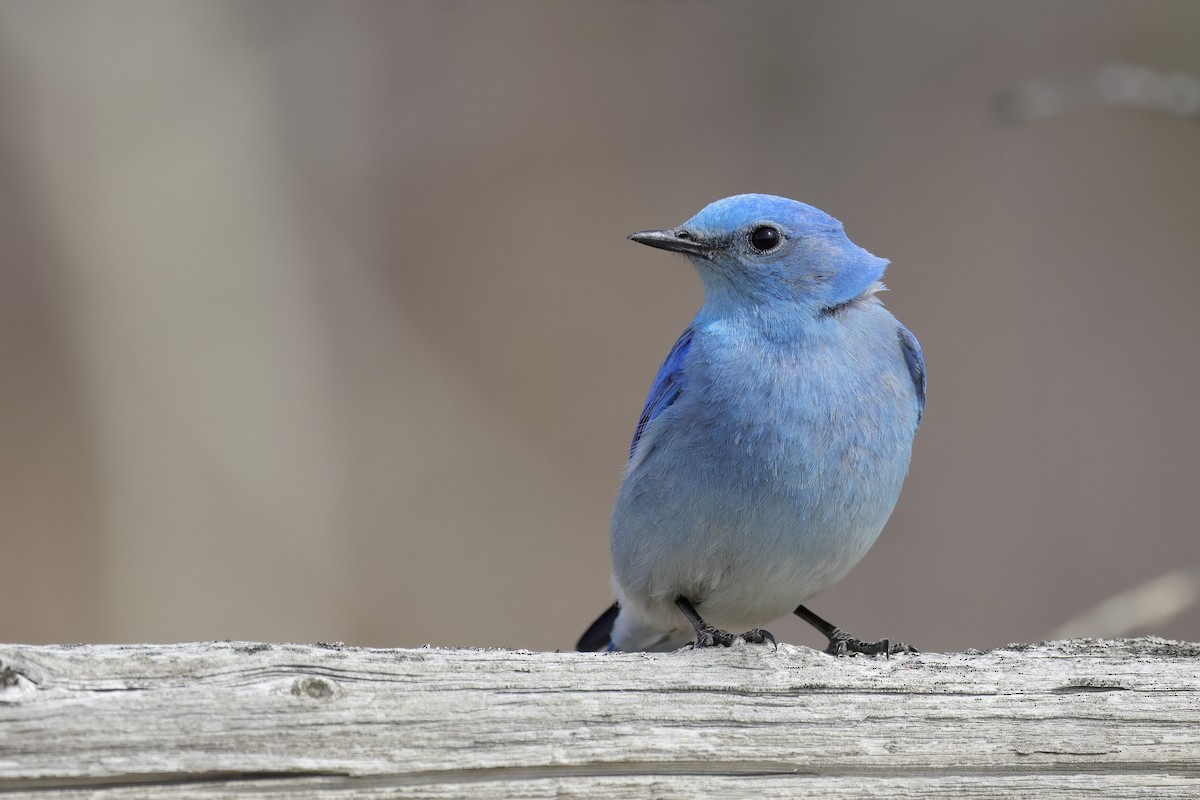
(843, 644)
(708, 636)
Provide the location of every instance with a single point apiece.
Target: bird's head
(762, 249)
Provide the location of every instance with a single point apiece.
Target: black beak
(678, 240)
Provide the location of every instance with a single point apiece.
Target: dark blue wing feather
(916, 366)
(668, 383)
(599, 635)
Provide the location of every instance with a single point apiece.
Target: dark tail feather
(599, 635)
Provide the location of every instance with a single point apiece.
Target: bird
(774, 441)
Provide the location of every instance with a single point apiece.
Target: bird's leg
(708, 636)
(842, 643)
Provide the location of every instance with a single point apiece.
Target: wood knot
(8, 677)
(314, 687)
(16, 684)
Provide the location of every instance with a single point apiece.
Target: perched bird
(776, 436)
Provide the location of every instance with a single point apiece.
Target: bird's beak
(677, 240)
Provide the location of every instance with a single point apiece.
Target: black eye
(764, 238)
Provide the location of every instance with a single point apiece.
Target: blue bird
(775, 438)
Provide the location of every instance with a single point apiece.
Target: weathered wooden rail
(1080, 718)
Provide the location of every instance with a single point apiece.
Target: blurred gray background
(318, 321)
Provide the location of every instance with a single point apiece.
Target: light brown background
(317, 321)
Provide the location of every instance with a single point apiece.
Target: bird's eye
(764, 238)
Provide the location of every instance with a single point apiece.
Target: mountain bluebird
(775, 438)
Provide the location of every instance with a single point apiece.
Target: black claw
(759, 636)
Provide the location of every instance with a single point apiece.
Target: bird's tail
(599, 635)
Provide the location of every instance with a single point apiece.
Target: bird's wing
(668, 383)
(916, 366)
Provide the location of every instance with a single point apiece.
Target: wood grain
(1080, 718)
